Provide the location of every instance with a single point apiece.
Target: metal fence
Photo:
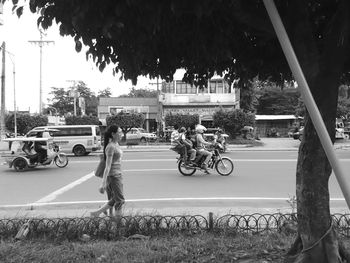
(114, 228)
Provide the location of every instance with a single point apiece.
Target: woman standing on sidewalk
(112, 176)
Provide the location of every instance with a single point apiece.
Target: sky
(60, 64)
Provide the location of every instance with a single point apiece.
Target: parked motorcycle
(223, 165)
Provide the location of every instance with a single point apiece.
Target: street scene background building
(176, 97)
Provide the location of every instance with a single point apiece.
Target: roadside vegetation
(192, 247)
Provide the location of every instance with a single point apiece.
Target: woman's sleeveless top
(117, 153)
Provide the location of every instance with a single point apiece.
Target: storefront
(147, 106)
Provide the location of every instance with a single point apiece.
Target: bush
(233, 120)
(182, 120)
(82, 120)
(25, 122)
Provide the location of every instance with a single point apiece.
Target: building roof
(276, 117)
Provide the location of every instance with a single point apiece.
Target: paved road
(261, 180)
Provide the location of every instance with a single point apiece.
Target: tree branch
(251, 19)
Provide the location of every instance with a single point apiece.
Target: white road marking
(170, 199)
(60, 191)
(75, 183)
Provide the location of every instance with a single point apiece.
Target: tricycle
(23, 156)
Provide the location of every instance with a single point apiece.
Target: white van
(77, 139)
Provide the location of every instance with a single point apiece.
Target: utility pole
(3, 46)
(73, 93)
(41, 43)
(160, 110)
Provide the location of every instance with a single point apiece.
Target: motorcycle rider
(201, 151)
(40, 148)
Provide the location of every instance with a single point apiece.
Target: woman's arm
(109, 158)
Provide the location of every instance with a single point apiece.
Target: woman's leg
(109, 197)
(109, 205)
(118, 194)
(102, 209)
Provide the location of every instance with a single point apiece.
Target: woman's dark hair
(107, 136)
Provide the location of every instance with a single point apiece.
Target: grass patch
(200, 247)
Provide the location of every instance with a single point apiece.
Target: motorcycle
(21, 157)
(223, 165)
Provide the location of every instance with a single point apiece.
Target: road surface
(261, 180)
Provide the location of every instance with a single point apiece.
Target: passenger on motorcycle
(175, 142)
(189, 151)
(201, 151)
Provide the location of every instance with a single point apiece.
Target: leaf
(78, 45)
(19, 11)
(102, 66)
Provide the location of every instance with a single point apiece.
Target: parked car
(140, 134)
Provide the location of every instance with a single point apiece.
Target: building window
(168, 87)
(185, 88)
(219, 86)
(227, 88)
(203, 90)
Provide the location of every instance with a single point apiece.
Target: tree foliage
(61, 101)
(82, 120)
(140, 93)
(25, 122)
(248, 96)
(232, 121)
(343, 109)
(136, 36)
(126, 121)
(182, 120)
(105, 93)
(274, 101)
(65, 104)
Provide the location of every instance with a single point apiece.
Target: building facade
(149, 107)
(176, 97)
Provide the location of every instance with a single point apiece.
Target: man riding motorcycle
(201, 151)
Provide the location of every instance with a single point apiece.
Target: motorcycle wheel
(224, 166)
(186, 171)
(61, 161)
(20, 164)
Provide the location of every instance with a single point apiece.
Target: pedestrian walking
(112, 180)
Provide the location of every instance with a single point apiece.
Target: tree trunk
(317, 241)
